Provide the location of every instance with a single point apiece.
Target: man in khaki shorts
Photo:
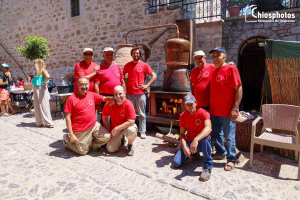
(122, 115)
(84, 130)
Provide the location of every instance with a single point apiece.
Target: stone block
(290, 38)
(258, 25)
(295, 30)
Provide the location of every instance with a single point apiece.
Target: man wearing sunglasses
(86, 68)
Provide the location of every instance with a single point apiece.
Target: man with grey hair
(200, 80)
(86, 68)
(122, 115)
(84, 130)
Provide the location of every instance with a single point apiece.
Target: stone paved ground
(35, 165)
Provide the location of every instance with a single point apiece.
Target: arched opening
(252, 71)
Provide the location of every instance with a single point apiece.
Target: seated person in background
(196, 121)
(81, 119)
(122, 116)
(5, 77)
(51, 85)
(20, 81)
(28, 79)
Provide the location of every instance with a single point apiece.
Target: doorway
(252, 71)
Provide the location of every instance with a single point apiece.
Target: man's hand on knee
(193, 146)
(73, 138)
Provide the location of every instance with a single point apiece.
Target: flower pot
(234, 10)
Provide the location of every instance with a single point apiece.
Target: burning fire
(174, 107)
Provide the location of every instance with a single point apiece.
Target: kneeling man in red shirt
(81, 120)
(122, 115)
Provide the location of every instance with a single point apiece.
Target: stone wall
(102, 23)
(237, 31)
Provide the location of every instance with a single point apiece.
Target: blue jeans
(204, 145)
(224, 127)
(139, 103)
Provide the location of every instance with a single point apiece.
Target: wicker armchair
(277, 116)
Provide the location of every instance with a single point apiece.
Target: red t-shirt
(82, 108)
(82, 69)
(109, 77)
(201, 77)
(136, 75)
(21, 83)
(119, 113)
(222, 90)
(194, 123)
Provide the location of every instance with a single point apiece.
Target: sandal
(231, 165)
(50, 126)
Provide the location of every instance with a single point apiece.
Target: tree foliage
(35, 47)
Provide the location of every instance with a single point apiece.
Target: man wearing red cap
(86, 68)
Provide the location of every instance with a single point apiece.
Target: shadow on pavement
(61, 151)
(163, 147)
(31, 124)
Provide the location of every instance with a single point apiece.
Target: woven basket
(27, 87)
(243, 134)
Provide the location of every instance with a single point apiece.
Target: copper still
(176, 78)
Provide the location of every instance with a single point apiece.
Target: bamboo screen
(284, 76)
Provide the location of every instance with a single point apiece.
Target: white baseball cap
(108, 49)
(87, 49)
(199, 53)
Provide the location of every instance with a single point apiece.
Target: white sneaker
(143, 135)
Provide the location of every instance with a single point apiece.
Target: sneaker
(130, 150)
(205, 175)
(143, 135)
(66, 138)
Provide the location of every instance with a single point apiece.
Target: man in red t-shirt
(81, 120)
(200, 79)
(137, 71)
(225, 97)
(196, 121)
(86, 68)
(122, 116)
(108, 77)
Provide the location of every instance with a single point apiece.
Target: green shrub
(35, 47)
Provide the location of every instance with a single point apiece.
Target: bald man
(122, 116)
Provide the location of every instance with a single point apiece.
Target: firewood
(168, 139)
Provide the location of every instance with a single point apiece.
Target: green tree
(35, 47)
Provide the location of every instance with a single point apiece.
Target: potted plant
(234, 6)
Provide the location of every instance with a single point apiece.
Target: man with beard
(86, 68)
(225, 97)
(122, 116)
(84, 130)
(196, 121)
(137, 71)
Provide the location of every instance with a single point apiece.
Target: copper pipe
(152, 27)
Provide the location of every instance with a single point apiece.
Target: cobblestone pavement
(35, 165)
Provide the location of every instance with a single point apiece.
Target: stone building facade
(101, 23)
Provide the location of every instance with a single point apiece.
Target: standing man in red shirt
(225, 97)
(196, 121)
(200, 79)
(84, 130)
(122, 115)
(86, 68)
(137, 71)
(108, 77)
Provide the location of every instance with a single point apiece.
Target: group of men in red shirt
(94, 84)
(217, 91)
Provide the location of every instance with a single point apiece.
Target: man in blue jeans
(225, 97)
(196, 121)
(137, 71)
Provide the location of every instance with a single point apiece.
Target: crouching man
(81, 119)
(122, 116)
(196, 121)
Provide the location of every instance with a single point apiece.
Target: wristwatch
(236, 109)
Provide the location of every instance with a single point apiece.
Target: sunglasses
(88, 54)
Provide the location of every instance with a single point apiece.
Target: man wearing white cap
(86, 68)
(108, 77)
(200, 79)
